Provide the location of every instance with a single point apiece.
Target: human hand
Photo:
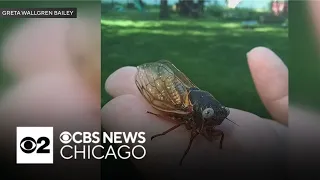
(254, 135)
(50, 91)
(37, 53)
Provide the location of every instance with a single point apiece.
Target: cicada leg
(188, 126)
(211, 132)
(193, 136)
(167, 131)
(218, 132)
(158, 115)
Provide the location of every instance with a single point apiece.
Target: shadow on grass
(212, 54)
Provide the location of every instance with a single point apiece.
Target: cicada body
(170, 91)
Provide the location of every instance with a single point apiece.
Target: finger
(83, 45)
(270, 76)
(314, 7)
(36, 46)
(49, 92)
(56, 100)
(49, 99)
(122, 82)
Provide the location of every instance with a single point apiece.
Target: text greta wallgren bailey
(39, 12)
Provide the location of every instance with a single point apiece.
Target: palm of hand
(253, 134)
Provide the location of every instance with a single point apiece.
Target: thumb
(270, 76)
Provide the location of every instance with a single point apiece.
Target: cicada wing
(164, 86)
(180, 75)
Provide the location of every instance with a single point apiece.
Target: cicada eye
(207, 113)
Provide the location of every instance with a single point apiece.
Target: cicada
(171, 92)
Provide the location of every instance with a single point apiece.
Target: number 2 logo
(29, 145)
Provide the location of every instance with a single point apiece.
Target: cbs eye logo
(29, 145)
(34, 145)
(65, 137)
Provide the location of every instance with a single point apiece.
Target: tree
(164, 9)
(189, 8)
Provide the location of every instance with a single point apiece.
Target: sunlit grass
(126, 27)
(185, 26)
(126, 23)
(164, 32)
(270, 29)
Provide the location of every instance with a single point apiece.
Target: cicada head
(207, 108)
(216, 114)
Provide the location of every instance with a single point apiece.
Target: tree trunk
(164, 9)
(201, 6)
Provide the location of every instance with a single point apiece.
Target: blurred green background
(304, 64)
(209, 46)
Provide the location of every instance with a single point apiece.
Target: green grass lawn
(211, 53)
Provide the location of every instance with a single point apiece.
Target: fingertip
(264, 56)
(121, 81)
(269, 73)
(26, 50)
(258, 50)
